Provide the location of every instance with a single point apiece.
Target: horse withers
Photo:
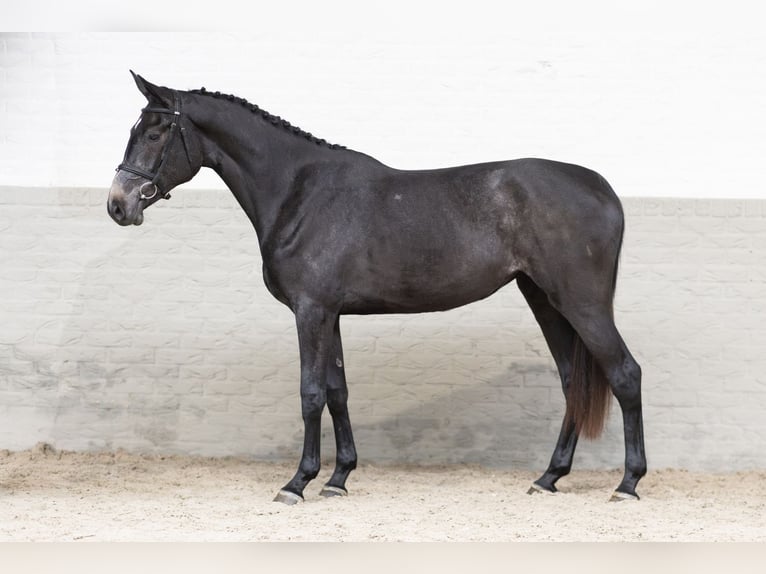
(342, 233)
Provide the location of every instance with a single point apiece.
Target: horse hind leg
(598, 332)
(561, 338)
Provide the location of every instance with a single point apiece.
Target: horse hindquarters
(575, 266)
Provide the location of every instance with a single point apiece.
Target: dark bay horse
(341, 233)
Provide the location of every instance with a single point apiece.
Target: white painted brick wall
(163, 338)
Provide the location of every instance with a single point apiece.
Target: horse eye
(154, 137)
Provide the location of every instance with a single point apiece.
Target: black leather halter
(154, 176)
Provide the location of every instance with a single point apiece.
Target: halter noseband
(153, 177)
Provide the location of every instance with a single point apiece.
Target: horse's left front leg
(315, 337)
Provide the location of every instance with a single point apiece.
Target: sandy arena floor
(50, 496)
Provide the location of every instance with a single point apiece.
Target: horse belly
(413, 277)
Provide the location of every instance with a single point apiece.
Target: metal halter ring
(142, 195)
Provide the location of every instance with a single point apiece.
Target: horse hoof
(288, 498)
(537, 489)
(328, 491)
(618, 496)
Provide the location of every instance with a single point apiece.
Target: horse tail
(588, 396)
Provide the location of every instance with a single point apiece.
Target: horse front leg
(315, 336)
(337, 402)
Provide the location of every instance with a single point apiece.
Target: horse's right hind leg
(560, 337)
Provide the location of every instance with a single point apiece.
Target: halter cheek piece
(154, 177)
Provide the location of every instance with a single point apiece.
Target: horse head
(162, 153)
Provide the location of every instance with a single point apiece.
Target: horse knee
(312, 405)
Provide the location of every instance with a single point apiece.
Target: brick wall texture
(162, 338)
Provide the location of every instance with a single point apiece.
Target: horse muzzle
(124, 208)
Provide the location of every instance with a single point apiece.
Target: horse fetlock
(346, 459)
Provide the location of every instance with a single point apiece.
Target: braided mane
(275, 120)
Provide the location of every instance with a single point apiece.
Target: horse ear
(152, 93)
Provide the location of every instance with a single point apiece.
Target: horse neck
(256, 160)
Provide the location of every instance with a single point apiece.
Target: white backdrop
(663, 100)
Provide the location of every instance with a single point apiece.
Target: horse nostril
(117, 213)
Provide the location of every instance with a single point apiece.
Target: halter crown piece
(154, 177)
